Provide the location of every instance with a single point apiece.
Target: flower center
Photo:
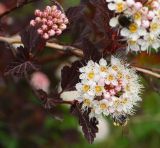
(98, 88)
(110, 78)
(120, 7)
(137, 16)
(115, 68)
(154, 26)
(103, 69)
(133, 28)
(103, 106)
(87, 102)
(91, 75)
(85, 88)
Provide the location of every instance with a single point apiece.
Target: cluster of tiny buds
(52, 21)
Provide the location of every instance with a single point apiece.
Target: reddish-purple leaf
(89, 126)
(70, 76)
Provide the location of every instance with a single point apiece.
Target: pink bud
(44, 14)
(66, 21)
(44, 27)
(40, 81)
(150, 15)
(112, 92)
(138, 5)
(59, 21)
(32, 23)
(44, 20)
(49, 23)
(145, 23)
(63, 26)
(62, 16)
(37, 12)
(51, 32)
(46, 36)
(155, 5)
(55, 20)
(54, 26)
(38, 19)
(48, 8)
(58, 31)
(49, 17)
(54, 7)
(40, 31)
(118, 88)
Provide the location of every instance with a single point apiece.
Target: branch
(78, 52)
(147, 72)
(65, 48)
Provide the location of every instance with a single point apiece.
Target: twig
(75, 51)
(147, 72)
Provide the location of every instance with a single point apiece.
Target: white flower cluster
(139, 23)
(109, 89)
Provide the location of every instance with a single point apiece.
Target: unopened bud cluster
(109, 89)
(52, 21)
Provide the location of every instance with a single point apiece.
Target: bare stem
(78, 52)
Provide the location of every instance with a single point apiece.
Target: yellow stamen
(154, 26)
(91, 75)
(85, 88)
(87, 102)
(103, 69)
(137, 16)
(103, 106)
(133, 28)
(120, 7)
(98, 89)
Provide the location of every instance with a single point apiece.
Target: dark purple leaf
(32, 40)
(90, 51)
(70, 76)
(22, 63)
(89, 126)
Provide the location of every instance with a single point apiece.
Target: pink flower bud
(37, 12)
(40, 31)
(51, 32)
(40, 81)
(54, 26)
(63, 26)
(155, 5)
(58, 31)
(44, 27)
(55, 20)
(46, 36)
(145, 23)
(38, 19)
(49, 23)
(112, 92)
(48, 8)
(32, 23)
(54, 7)
(138, 5)
(66, 21)
(44, 20)
(150, 15)
(44, 14)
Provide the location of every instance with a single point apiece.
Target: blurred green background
(25, 124)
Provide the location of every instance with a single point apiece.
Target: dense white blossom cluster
(108, 89)
(142, 29)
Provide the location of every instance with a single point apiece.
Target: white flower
(114, 93)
